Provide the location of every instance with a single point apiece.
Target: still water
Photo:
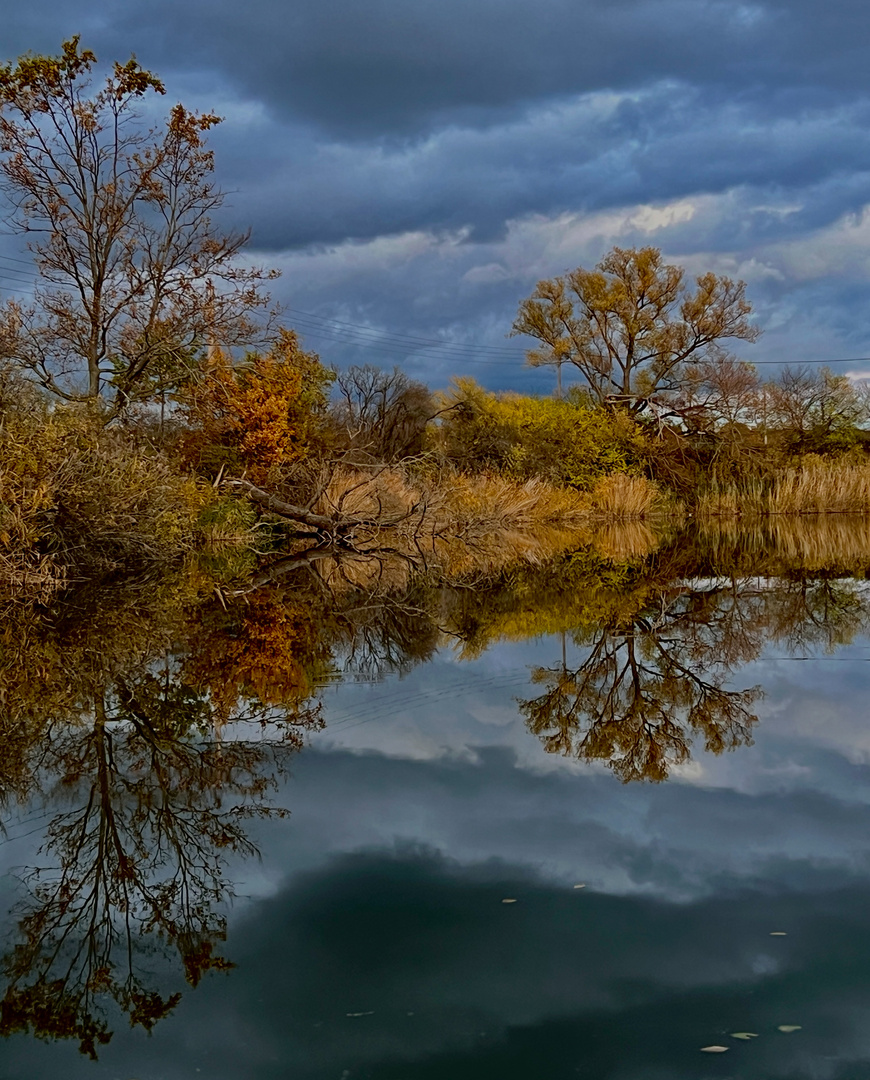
(582, 820)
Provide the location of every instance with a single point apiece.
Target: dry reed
(623, 496)
(812, 488)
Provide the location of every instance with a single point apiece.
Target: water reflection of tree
(156, 724)
(154, 807)
(642, 694)
(655, 677)
(151, 784)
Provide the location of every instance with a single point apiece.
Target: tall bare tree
(816, 411)
(630, 326)
(133, 275)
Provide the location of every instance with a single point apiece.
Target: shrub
(76, 495)
(564, 442)
(259, 416)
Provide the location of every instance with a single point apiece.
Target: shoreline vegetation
(479, 478)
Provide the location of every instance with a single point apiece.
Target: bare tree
(133, 276)
(382, 413)
(816, 410)
(631, 325)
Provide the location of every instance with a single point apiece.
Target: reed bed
(622, 496)
(836, 489)
(818, 488)
(461, 505)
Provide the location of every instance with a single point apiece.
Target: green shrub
(564, 442)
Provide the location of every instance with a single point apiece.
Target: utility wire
(358, 328)
(361, 336)
(12, 258)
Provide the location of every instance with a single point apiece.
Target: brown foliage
(133, 275)
(261, 416)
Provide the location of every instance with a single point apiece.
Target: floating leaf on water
(509, 900)
(747, 1035)
(362, 1014)
(787, 1028)
(714, 1049)
(778, 933)
(579, 886)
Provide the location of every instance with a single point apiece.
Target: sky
(414, 168)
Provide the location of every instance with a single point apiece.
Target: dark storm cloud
(572, 158)
(402, 67)
(719, 95)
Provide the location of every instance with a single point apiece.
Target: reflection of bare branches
(140, 858)
(648, 688)
(654, 676)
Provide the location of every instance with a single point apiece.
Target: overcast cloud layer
(414, 168)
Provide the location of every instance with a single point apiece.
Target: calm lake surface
(584, 829)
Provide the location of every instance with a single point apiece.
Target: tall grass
(448, 502)
(622, 496)
(831, 489)
(815, 487)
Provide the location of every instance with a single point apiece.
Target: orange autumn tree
(256, 417)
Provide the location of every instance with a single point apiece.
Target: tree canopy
(133, 274)
(631, 325)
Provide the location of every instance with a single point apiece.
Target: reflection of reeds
(808, 542)
(625, 541)
(378, 569)
(822, 542)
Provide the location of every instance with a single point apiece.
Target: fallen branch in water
(332, 526)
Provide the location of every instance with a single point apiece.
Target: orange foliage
(269, 651)
(257, 417)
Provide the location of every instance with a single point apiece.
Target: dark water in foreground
(713, 803)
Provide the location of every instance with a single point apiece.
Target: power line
(12, 258)
(360, 336)
(503, 351)
(360, 328)
(15, 280)
(402, 351)
(397, 344)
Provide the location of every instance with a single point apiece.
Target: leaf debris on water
(778, 933)
(372, 1013)
(579, 886)
(788, 1028)
(714, 1049)
(509, 900)
(746, 1035)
